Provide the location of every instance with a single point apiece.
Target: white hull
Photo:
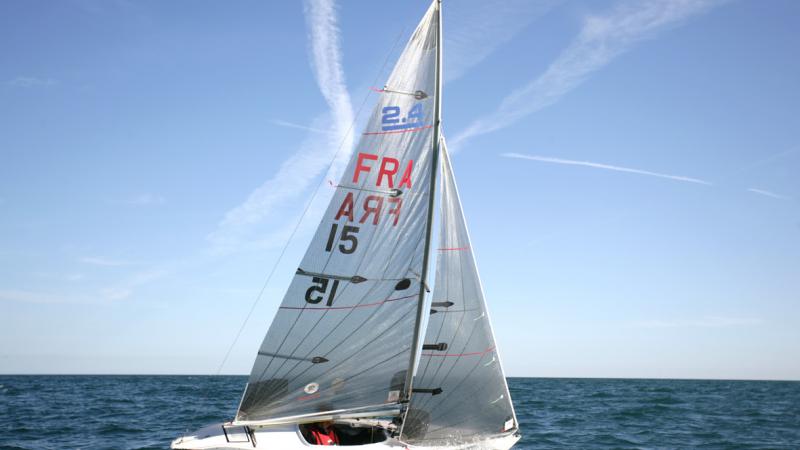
(288, 437)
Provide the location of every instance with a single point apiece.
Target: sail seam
(410, 130)
(361, 305)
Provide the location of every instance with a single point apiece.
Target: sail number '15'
(316, 293)
(344, 237)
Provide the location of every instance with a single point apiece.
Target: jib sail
(461, 358)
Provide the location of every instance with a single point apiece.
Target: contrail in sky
(476, 28)
(768, 193)
(602, 38)
(606, 167)
(297, 173)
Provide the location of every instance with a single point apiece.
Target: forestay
(474, 402)
(341, 340)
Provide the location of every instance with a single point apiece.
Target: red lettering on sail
(360, 167)
(386, 172)
(347, 208)
(374, 210)
(398, 203)
(406, 180)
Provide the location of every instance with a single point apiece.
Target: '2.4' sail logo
(393, 120)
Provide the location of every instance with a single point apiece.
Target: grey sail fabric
(341, 339)
(461, 357)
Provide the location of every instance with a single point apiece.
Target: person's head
(326, 424)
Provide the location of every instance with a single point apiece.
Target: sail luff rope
(421, 310)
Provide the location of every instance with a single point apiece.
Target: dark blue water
(147, 412)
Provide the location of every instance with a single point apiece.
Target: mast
(437, 112)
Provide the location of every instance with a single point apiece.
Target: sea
(147, 412)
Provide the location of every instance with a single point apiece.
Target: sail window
(402, 285)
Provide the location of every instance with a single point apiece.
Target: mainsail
(474, 401)
(344, 333)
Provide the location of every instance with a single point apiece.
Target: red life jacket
(324, 438)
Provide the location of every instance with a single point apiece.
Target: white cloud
(120, 291)
(705, 322)
(116, 293)
(147, 199)
(31, 82)
(475, 28)
(126, 288)
(27, 296)
(101, 261)
(601, 39)
(606, 167)
(284, 123)
(768, 194)
(326, 60)
(297, 173)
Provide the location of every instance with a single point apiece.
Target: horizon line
(793, 380)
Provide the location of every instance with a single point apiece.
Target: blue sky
(628, 170)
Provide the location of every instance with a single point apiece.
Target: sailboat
(359, 342)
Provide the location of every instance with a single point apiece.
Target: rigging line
(360, 305)
(305, 211)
